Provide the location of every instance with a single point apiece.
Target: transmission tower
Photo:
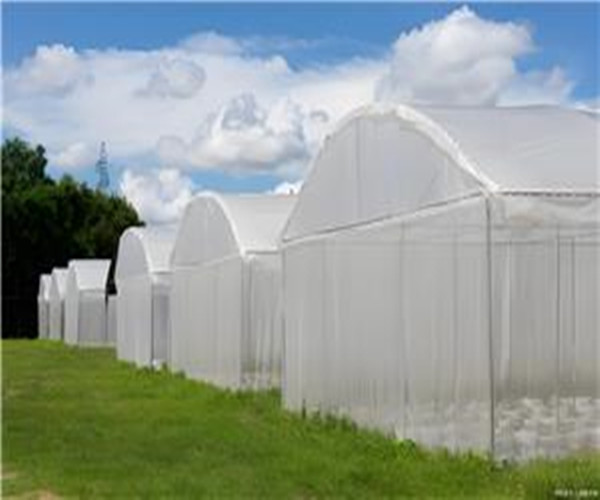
(102, 169)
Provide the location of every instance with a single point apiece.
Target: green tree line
(46, 223)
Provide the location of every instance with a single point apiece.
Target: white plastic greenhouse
(442, 278)
(43, 303)
(226, 322)
(85, 302)
(143, 281)
(111, 319)
(58, 289)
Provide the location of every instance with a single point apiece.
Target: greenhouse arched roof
(383, 161)
(89, 274)
(145, 250)
(58, 286)
(216, 226)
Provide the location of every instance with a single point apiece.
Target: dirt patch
(6, 475)
(35, 495)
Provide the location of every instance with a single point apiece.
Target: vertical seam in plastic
(558, 319)
(490, 325)
(151, 323)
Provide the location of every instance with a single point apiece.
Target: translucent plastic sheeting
(111, 320)
(387, 324)
(385, 161)
(143, 283)
(226, 307)
(85, 302)
(546, 325)
(143, 324)
(391, 324)
(228, 319)
(217, 226)
(441, 278)
(58, 289)
(43, 301)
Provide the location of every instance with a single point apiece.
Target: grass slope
(78, 423)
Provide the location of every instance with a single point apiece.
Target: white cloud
(464, 59)
(76, 156)
(235, 104)
(243, 135)
(158, 195)
(210, 42)
(178, 78)
(538, 87)
(53, 69)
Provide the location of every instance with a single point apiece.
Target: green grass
(78, 423)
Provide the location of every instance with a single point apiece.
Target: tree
(44, 225)
(22, 166)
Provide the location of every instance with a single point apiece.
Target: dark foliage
(44, 225)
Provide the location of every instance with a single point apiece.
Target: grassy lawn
(78, 423)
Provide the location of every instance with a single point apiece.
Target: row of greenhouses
(437, 278)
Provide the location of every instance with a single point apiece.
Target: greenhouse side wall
(91, 326)
(161, 325)
(263, 320)
(134, 321)
(206, 321)
(387, 323)
(56, 314)
(43, 318)
(546, 324)
(111, 320)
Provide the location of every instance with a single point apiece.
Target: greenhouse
(58, 289)
(85, 302)
(226, 307)
(43, 303)
(143, 281)
(111, 319)
(442, 278)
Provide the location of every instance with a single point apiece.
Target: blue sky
(566, 33)
(305, 55)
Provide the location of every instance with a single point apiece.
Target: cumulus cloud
(178, 78)
(538, 87)
(210, 42)
(234, 104)
(158, 195)
(53, 69)
(243, 135)
(75, 156)
(465, 59)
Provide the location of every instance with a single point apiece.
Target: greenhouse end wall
(56, 313)
(43, 318)
(226, 321)
(404, 324)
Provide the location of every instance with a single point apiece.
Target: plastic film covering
(387, 324)
(207, 322)
(111, 320)
(391, 324)
(85, 302)
(226, 317)
(441, 275)
(143, 282)
(161, 313)
(546, 324)
(262, 342)
(43, 301)
(58, 288)
(385, 161)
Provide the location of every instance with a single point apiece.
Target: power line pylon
(102, 169)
